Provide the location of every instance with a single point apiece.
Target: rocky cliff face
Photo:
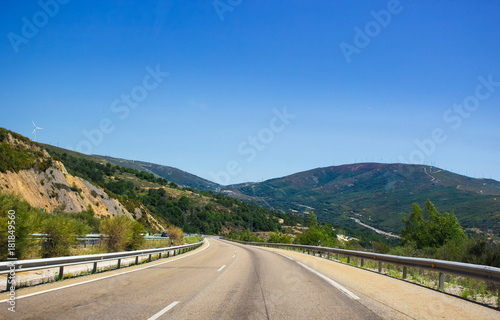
(54, 189)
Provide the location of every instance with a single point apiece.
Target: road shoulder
(393, 298)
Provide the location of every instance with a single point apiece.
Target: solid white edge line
(330, 281)
(106, 277)
(221, 268)
(281, 254)
(163, 311)
(234, 256)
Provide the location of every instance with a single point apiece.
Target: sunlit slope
(380, 193)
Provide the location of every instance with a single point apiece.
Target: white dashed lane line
(163, 311)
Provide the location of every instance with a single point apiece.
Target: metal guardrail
(481, 272)
(61, 262)
(95, 236)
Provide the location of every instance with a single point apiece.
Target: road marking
(106, 277)
(221, 268)
(333, 283)
(234, 256)
(162, 312)
(281, 254)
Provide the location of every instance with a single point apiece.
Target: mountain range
(178, 176)
(48, 179)
(377, 194)
(380, 195)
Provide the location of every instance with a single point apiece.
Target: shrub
(137, 240)
(123, 233)
(117, 230)
(175, 233)
(61, 236)
(26, 220)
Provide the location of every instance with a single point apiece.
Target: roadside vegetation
(427, 233)
(62, 229)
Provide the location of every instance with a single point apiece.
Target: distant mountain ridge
(175, 175)
(379, 194)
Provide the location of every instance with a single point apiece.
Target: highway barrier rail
(94, 239)
(12, 267)
(481, 272)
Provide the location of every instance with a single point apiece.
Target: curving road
(221, 280)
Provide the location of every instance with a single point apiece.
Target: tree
(313, 221)
(430, 228)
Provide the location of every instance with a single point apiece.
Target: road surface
(223, 280)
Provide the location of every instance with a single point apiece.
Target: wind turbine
(34, 130)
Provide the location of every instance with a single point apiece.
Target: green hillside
(180, 177)
(380, 194)
(192, 210)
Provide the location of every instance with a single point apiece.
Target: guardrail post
(61, 272)
(329, 256)
(338, 257)
(498, 295)
(405, 272)
(136, 260)
(159, 256)
(441, 281)
(362, 263)
(95, 268)
(380, 267)
(119, 264)
(149, 260)
(8, 284)
(168, 254)
(348, 259)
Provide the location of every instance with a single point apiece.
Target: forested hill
(380, 194)
(172, 174)
(190, 209)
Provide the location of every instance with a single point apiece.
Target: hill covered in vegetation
(172, 174)
(380, 194)
(57, 180)
(192, 210)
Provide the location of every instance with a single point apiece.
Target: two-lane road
(223, 280)
(220, 281)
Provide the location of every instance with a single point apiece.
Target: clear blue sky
(360, 81)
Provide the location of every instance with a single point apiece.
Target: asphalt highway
(220, 281)
(223, 280)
